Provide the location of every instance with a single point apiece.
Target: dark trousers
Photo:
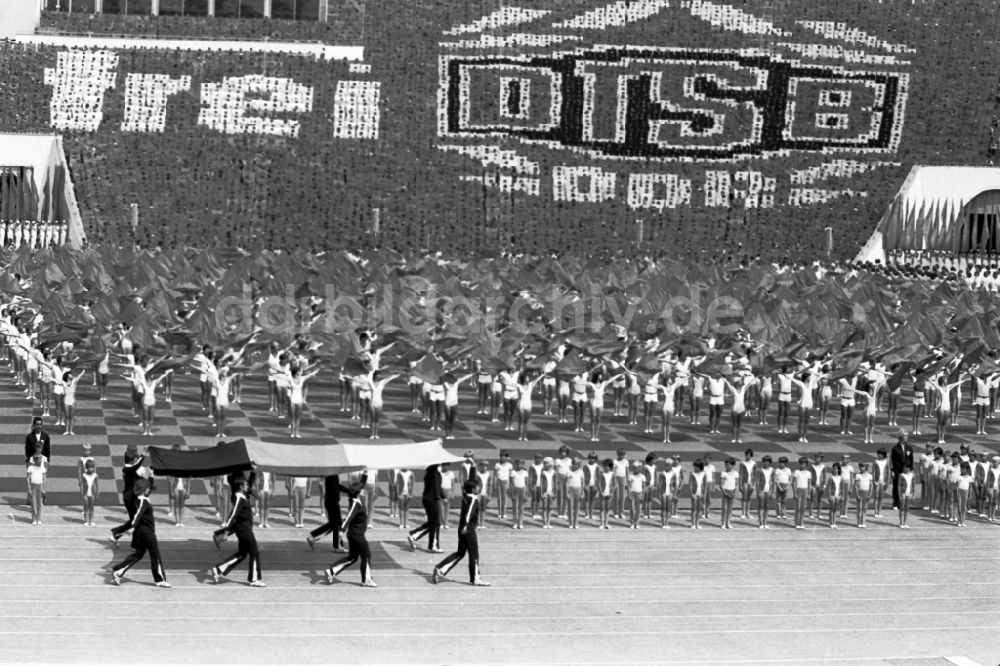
(247, 547)
(468, 544)
(141, 545)
(432, 527)
(128, 499)
(895, 489)
(332, 525)
(357, 549)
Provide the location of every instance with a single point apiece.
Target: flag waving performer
(944, 405)
(240, 523)
(468, 544)
(807, 385)
(378, 387)
(984, 384)
(355, 525)
(451, 385)
(598, 386)
(524, 388)
(739, 407)
(143, 525)
(669, 391)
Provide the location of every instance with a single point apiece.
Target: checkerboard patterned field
(109, 427)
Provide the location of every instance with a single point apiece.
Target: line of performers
(352, 527)
(678, 390)
(36, 235)
(950, 487)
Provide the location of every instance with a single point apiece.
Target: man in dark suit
(432, 507)
(35, 437)
(900, 458)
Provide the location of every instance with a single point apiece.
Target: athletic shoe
(436, 576)
(411, 541)
(163, 583)
(311, 542)
(113, 539)
(369, 583)
(215, 574)
(481, 583)
(258, 583)
(434, 550)
(116, 577)
(330, 576)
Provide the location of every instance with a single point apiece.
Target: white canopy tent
(952, 209)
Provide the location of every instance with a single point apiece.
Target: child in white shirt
(802, 482)
(863, 483)
(404, 490)
(906, 486)
(89, 490)
(782, 483)
(37, 471)
(636, 487)
(518, 492)
(728, 482)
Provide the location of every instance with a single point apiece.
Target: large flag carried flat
(297, 459)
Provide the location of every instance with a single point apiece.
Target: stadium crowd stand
(343, 26)
(429, 187)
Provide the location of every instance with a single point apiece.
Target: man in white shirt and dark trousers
(468, 544)
(143, 526)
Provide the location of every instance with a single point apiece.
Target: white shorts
(919, 401)
(847, 402)
(985, 402)
(650, 398)
(784, 397)
(716, 400)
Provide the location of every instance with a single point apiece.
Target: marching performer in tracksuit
(143, 526)
(240, 523)
(468, 544)
(331, 502)
(355, 525)
(432, 507)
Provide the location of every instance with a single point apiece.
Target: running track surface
(925, 596)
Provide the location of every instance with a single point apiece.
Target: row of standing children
(953, 484)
